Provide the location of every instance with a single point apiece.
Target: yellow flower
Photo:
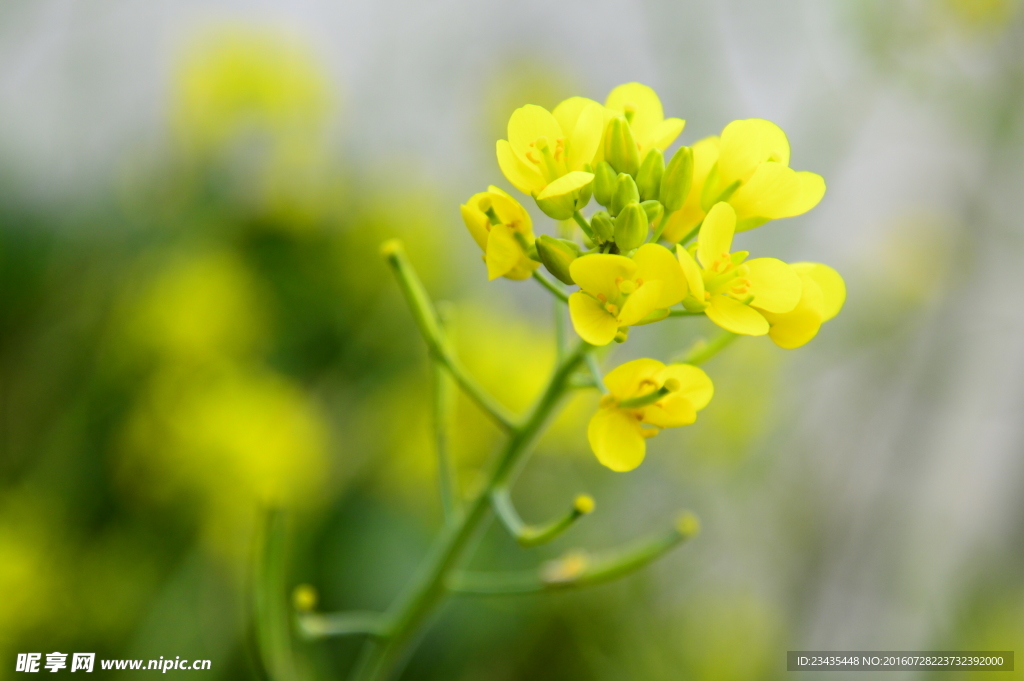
(640, 392)
(547, 154)
(503, 229)
(748, 166)
(757, 297)
(642, 108)
(617, 291)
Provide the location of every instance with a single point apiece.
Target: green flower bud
(559, 207)
(557, 255)
(620, 149)
(625, 192)
(676, 181)
(648, 179)
(601, 223)
(604, 183)
(583, 196)
(631, 227)
(653, 210)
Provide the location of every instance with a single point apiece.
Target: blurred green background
(195, 326)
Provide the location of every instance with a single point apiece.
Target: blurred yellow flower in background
(644, 392)
(237, 79)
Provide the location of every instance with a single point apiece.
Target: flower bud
(558, 207)
(625, 192)
(648, 178)
(653, 210)
(559, 199)
(583, 196)
(676, 181)
(557, 255)
(604, 183)
(631, 227)
(620, 149)
(601, 223)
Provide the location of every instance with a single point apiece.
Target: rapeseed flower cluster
(660, 244)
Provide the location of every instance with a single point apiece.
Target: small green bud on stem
(648, 178)
(677, 179)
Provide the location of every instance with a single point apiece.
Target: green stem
(271, 599)
(426, 319)
(684, 313)
(444, 409)
(413, 608)
(661, 226)
(595, 371)
(551, 286)
(689, 235)
(703, 350)
(317, 625)
(584, 225)
(534, 535)
(560, 330)
(576, 569)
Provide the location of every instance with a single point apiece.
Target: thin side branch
(355, 622)
(426, 319)
(533, 535)
(444, 410)
(703, 350)
(551, 286)
(576, 569)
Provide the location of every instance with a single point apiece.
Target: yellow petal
(566, 184)
(586, 135)
(648, 114)
(692, 272)
(663, 135)
(568, 112)
(748, 143)
(523, 269)
(734, 316)
(776, 286)
(634, 378)
(705, 156)
(671, 412)
(655, 263)
(596, 274)
(527, 124)
(640, 303)
(833, 288)
(503, 251)
(476, 221)
(793, 329)
(510, 211)
(615, 437)
(592, 322)
(715, 238)
(775, 191)
(694, 384)
(523, 177)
